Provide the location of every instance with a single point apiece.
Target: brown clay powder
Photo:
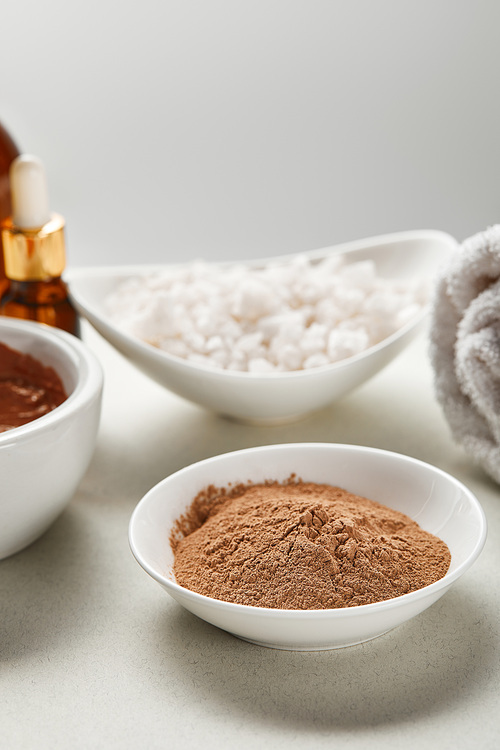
(301, 545)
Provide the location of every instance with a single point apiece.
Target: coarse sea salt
(279, 317)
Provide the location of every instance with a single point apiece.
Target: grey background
(221, 129)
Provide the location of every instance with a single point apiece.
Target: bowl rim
(159, 356)
(89, 383)
(338, 613)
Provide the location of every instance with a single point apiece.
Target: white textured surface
(96, 655)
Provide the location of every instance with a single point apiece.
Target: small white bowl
(271, 397)
(437, 501)
(42, 462)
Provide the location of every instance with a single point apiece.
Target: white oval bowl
(42, 462)
(270, 397)
(436, 500)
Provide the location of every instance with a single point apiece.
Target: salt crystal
(345, 343)
(252, 300)
(195, 341)
(288, 357)
(316, 360)
(219, 357)
(213, 344)
(259, 364)
(314, 339)
(349, 300)
(249, 341)
(289, 325)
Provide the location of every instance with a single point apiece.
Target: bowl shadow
(46, 597)
(418, 669)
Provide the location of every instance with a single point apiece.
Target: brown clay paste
(28, 389)
(301, 545)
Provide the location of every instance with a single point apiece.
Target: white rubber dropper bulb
(29, 192)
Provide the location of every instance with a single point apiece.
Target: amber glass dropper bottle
(8, 152)
(34, 252)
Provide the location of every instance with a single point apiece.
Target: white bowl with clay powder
(255, 354)
(438, 502)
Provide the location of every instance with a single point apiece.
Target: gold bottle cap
(34, 254)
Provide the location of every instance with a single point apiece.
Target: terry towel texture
(465, 347)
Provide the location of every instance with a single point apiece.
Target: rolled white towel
(465, 347)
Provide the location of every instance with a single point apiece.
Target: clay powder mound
(301, 545)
